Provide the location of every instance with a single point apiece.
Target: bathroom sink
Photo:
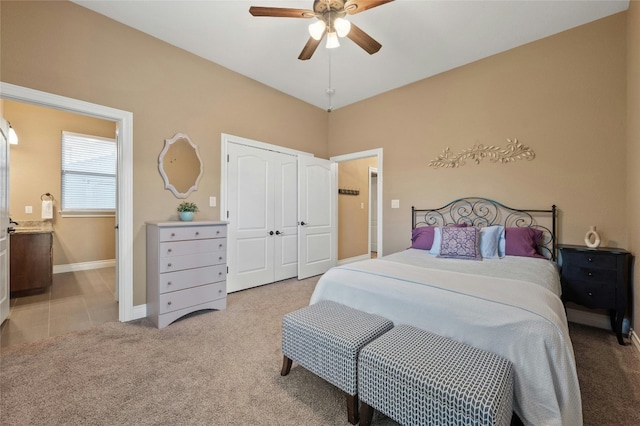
(33, 227)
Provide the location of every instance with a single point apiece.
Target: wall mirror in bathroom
(180, 165)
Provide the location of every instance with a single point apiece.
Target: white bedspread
(508, 306)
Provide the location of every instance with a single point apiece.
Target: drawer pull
(197, 233)
(220, 291)
(590, 274)
(590, 294)
(219, 273)
(168, 265)
(589, 259)
(220, 246)
(217, 232)
(220, 258)
(173, 234)
(169, 251)
(169, 283)
(169, 303)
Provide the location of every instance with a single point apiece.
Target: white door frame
(377, 152)
(372, 171)
(124, 207)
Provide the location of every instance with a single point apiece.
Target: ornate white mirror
(180, 165)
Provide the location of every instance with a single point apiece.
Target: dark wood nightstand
(598, 279)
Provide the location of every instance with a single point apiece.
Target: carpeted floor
(222, 368)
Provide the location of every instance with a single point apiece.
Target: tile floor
(75, 301)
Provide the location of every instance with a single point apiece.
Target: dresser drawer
(591, 260)
(192, 233)
(182, 248)
(178, 263)
(181, 299)
(589, 275)
(173, 281)
(592, 295)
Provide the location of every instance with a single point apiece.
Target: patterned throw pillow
(460, 243)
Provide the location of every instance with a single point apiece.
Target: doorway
(124, 203)
(81, 291)
(376, 155)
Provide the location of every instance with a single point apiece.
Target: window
(88, 175)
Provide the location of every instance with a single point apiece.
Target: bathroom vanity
(31, 257)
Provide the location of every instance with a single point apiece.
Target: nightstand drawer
(590, 275)
(590, 260)
(592, 295)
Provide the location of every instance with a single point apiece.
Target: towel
(47, 209)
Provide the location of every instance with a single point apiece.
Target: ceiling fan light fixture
(332, 40)
(316, 30)
(342, 26)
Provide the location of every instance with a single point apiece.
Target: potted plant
(187, 210)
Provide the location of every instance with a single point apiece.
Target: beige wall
(633, 141)
(62, 48)
(563, 96)
(353, 210)
(35, 170)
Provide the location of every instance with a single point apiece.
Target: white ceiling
(419, 38)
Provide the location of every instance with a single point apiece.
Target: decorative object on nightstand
(592, 239)
(187, 211)
(598, 278)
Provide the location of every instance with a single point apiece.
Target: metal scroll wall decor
(512, 152)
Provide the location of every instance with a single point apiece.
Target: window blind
(88, 173)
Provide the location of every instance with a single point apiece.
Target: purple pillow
(460, 243)
(422, 237)
(522, 241)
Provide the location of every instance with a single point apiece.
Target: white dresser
(186, 269)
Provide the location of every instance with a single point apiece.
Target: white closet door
(285, 184)
(318, 215)
(4, 221)
(251, 206)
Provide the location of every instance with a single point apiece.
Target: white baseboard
(83, 266)
(589, 318)
(635, 341)
(354, 259)
(139, 311)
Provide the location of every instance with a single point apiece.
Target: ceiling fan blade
(363, 40)
(356, 6)
(309, 48)
(281, 12)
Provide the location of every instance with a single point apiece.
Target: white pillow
(437, 241)
(491, 242)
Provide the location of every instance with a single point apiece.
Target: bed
(466, 277)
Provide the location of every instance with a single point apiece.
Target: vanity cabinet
(31, 261)
(186, 269)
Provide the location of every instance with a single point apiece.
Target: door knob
(279, 233)
(302, 223)
(270, 232)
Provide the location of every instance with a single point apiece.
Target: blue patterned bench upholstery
(325, 338)
(419, 378)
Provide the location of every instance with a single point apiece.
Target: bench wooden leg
(366, 414)
(352, 409)
(286, 366)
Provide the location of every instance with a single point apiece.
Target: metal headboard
(478, 211)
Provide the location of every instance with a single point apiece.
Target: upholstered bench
(419, 378)
(325, 338)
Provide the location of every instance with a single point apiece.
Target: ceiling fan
(331, 20)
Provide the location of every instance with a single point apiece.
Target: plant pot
(186, 216)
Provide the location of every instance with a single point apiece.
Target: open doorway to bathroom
(83, 288)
